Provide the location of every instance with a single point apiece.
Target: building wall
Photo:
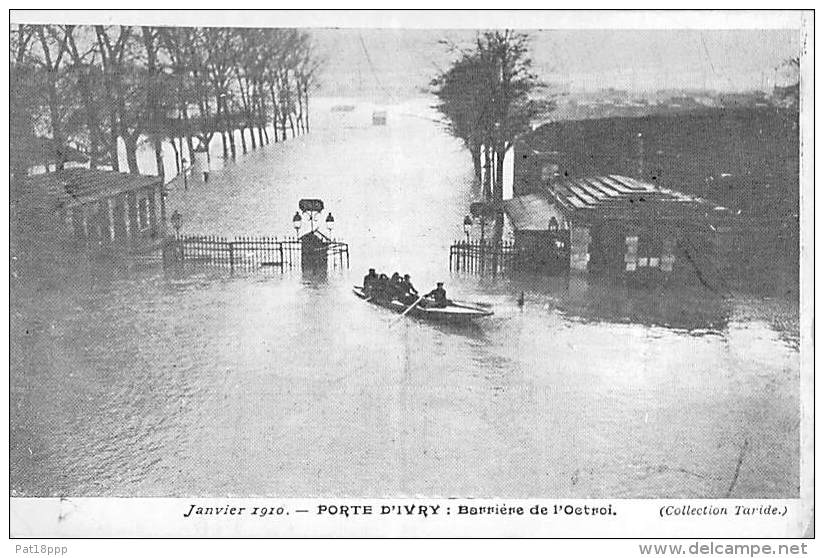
(126, 221)
(544, 251)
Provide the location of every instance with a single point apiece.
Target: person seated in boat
(369, 280)
(381, 287)
(396, 286)
(436, 298)
(410, 293)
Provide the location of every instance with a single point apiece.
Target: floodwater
(204, 383)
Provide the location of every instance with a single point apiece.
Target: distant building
(743, 100)
(786, 96)
(379, 118)
(99, 210)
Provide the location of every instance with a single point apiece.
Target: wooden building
(541, 233)
(102, 211)
(619, 224)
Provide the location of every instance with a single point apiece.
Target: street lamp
(467, 224)
(296, 222)
(480, 211)
(330, 222)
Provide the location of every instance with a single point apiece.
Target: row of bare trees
(78, 91)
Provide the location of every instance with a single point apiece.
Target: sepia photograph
(551, 259)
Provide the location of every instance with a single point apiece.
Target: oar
(368, 298)
(405, 312)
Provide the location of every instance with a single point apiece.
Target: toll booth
(314, 252)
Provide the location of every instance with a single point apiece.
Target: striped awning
(621, 196)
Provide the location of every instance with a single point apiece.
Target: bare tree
(85, 71)
(112, 54)
(53, 45)
(23, 106)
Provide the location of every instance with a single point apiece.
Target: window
(143, 213)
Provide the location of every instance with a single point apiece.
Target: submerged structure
(96, 210)
(614, 224)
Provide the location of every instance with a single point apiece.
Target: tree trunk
(156, 127)
(114, 148)
(475, 149)
(300, 112)
(232, 146)
(158, 149)
(187, 132)
(498, 190)
(261, 120)
(57, 132)
(94, 142)
(92, 122)
(177, 156)
(243, 140)
(131, 153)
(274, 112)
(306, 108)
(292, 125)
(229, 130)
(487, 190)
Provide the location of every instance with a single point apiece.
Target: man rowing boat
(433, 306)
(436, 298)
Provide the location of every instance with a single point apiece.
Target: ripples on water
(203, 383)
(213, 384)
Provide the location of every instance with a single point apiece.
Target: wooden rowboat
(455, 311)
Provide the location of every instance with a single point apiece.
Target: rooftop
(606, 197)
(618, 196)
(80, 185)
(529, 213)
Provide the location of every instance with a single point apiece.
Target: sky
(399, 63)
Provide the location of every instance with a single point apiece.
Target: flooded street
(205, 383)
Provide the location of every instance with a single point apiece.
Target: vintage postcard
(411, 274)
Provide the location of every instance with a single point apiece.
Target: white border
(160, 517)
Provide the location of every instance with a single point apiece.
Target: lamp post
(296, 222)
(330, 222)
(467, 225)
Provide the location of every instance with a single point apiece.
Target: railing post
(231, 255)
